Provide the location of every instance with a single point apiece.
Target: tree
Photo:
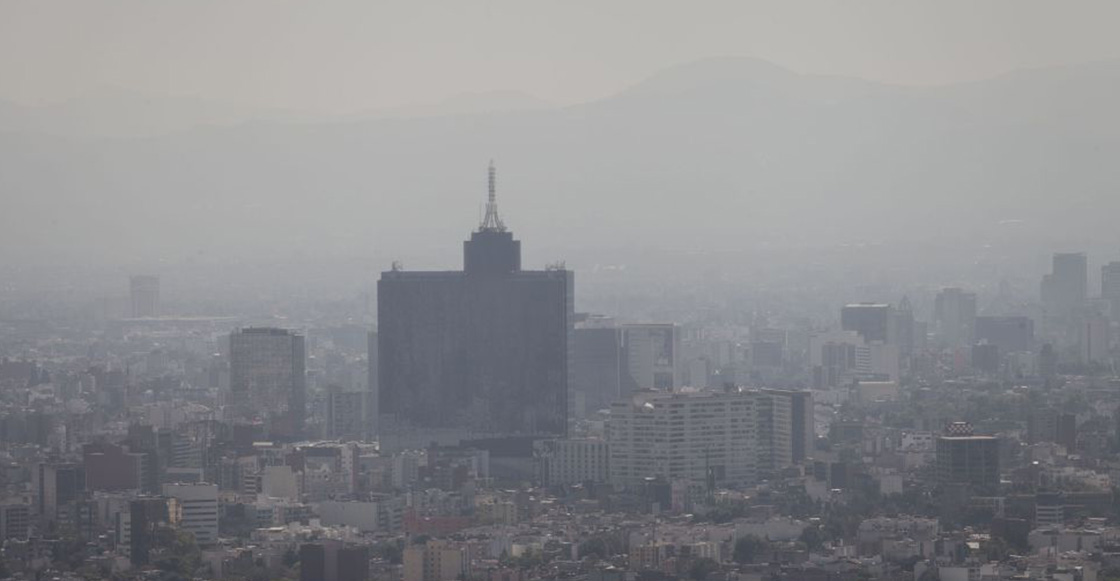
(701, 568)
(813, 538)
(748, 548)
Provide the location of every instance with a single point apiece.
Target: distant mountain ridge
(721, 153)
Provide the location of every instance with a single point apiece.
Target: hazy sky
(346, 55)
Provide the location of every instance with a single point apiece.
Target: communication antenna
(492, 222)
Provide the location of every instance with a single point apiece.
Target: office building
(954, 316)
(196, 509)
(111, 467)
(1010, 334)
(372, 411)
(703, 437)
(651, 352)
(802, 428)
(965, 459)
(333, 561)
(598, 367)
(872, 321)
(143, 296)
(1066, 287)
(56, 486)
(267, 381)
(482, 351)
(1047, 424)
(841, 357)
(137, 528)
(15, 520)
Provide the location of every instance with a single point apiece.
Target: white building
(197, 509)
(684, 436)
(573, 461)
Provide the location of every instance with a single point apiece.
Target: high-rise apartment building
(143, 296)
(267, 380)
(954, 316)
(481, 351)
(705, 437)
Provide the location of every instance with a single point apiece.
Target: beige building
(693, 436)
(436, 560)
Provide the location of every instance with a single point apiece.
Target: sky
(352, 55)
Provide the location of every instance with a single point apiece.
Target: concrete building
(483, 351)
(267, 379)
(436, 560)
(572, 461)
(196, 509)
(708, 437)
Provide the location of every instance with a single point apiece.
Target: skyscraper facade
(652, 351)
(480, 351)
(968, 460)
(954, 312)
(267, 381)
(873, 321)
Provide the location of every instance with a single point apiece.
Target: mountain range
(720, 154)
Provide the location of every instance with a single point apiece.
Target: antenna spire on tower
(492, 222)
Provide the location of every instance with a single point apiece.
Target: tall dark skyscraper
(267, 380)
(481, 351)
(871, 320)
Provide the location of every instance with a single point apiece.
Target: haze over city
(593, 291)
